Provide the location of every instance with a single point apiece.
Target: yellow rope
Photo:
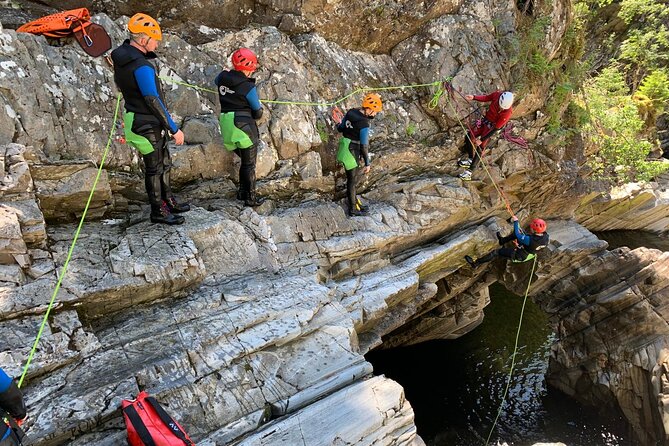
(74, 242)
(515, 351)
(319, 104)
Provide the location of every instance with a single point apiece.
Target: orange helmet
(373, 102)
(538, 225)
(143, 24)
(244, 60)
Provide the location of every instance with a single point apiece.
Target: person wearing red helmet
(498, 114)
(240, 108)
(526, 247)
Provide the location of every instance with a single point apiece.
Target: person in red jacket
(498, 114)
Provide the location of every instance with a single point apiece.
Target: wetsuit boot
(253, 199)
(166, 186)
(176, 207)
(504, 240)
(160, 212)
(362, 207)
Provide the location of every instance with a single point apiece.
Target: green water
(455, 387)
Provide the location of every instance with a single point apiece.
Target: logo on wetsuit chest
(349, 125)
(223, 90)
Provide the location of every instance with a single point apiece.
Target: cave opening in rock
(455, 386)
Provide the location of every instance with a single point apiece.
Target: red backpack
(149, 425)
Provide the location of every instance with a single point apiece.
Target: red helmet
(244, 60)
(538, 225)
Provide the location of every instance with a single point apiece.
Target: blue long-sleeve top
(522, 238)
(254, 101)
(364, 136)
(364, 132)
(5, 381)
(146, 80)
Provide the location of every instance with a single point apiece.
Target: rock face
(356, 25)
(632, 206)
(252, 324)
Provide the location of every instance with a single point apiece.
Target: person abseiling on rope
(527, 245)
(11, 405)
(240, 108)
(498, 114)
(147, 123)
(354, 147)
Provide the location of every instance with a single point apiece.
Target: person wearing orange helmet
(240, 108)
(148, 124)
(526, 246)
(498, 114)
(354, 147)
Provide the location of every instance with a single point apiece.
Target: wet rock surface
(251, 324)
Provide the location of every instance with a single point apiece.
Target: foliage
(527, 51)
(411, 129)
(322, 131)
(655, 86)
(615, 131)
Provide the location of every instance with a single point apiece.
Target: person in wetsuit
(11, 405)
(498, 114)
(147, 123)
(354, 147)
(240, 108)
(527, 244)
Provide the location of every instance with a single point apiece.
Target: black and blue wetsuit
(148, 124)
(240, 108)
(353, 148)
(12, 405)
(528, 246)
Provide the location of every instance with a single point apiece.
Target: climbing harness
(513, 356)
(112, 131)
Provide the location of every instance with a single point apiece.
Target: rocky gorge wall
(252, 324)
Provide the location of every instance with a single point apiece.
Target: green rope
(513, 357)
(317, 104)
(74, 241)
(186, 84)
(483, 163)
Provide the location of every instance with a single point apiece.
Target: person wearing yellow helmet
(354, 147)
(148, 124)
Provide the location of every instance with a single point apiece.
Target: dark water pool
(455, 404)
(634, 239)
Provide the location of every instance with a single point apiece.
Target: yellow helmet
(373, 102)
(144, 24)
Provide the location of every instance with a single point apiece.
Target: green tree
(614, 131)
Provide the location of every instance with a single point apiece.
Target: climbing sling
(92, 37)
(526, 259)
(233, 137)
(149, 425)
(344, 154)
